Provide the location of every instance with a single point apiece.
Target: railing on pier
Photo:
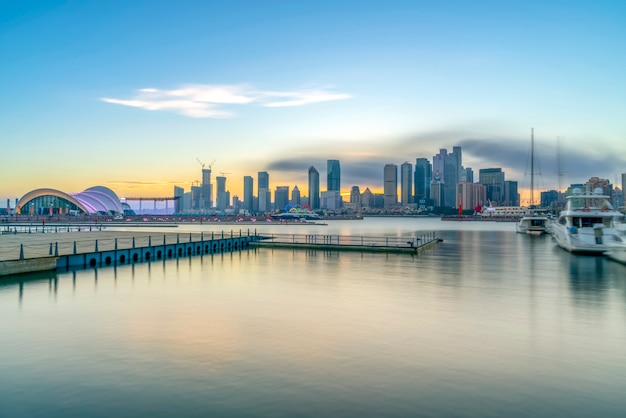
(48, 229)
(381, 243)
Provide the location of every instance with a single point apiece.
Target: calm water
(488, 323)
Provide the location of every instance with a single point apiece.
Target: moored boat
(587, 224)
(616, 247)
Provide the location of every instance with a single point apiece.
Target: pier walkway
(392, 244)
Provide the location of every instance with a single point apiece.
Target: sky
(137, 95)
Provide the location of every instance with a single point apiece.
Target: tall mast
(532, 167)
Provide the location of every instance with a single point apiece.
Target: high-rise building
(295, 196)
(281, 198)
(355, 196)
(598, 183)
(423, 176)
(406, 184)
(179, 192)
(206, 191)
(367, 199)
(437, 192)
(470, 195)
(263, 190)
(248, 193)
(223, 198)
(333, 175)
(390, 187)
(448, 170)
(493, 180)
(314, 188)
(467, 175)
(330, 199)
(511, 195)
(549, 199)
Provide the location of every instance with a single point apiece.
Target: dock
(33, 249)
(384, 244)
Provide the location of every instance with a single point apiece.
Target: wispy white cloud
(207, 101)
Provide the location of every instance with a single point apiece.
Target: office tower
(330, 199)
(333, 175)
(263, 180)
(423, 176)
(511, 195)
(623, 181)
(367, 199)
(295, 196)
(549, 199)
(406, 184)
(493, 180)
(467, 175)
(437, 192)
(314, 188)
(470, 195)
(448, 166)
(390, 187)
(248, 194)
(196, 198)
(223, 197)
(355, 196)
(179, 192)
(205, 198)
(281, 198)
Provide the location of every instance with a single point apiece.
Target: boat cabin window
(586, 222)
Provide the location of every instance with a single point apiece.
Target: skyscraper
(263, 180)
(423, 177)
(314, 188)
(223, 198)
(355, 196)
(295, 196)
(448, 167)
(390, 188)
(281, 198)
(333, 175)
(248, 193)
(493, 180)
(406, 184)
(206, 190)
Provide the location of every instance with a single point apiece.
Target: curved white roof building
(94, 200)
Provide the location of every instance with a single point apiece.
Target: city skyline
(132, 106)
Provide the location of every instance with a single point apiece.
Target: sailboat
(532, 222)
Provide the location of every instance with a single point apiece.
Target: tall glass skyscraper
(314, 188)
(265, 203)
(406, 184)
(248, 193)
(333, 176)
(423, 177)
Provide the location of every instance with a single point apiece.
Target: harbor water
(488, 323)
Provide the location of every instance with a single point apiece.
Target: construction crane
(203, 164)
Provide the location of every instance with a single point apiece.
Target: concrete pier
(25, 253)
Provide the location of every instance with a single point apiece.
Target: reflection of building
(94, 200)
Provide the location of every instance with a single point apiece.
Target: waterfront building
(179, 204)
(330, 199)
(390, 188)
(333, 175)
(367, 199)
(493, 180)
(263, 191)
(449, 168)
(437, 193)
(422, 178)
(223, 197)
(511, 195)
(467, 175)
(549, 199)
(314, 188)
(470, 195)
(406, 184)
(597, 183)
(355, 196)
(295, 196)
(248, 194)
(281, 198)
(205, 198)
(94, 200)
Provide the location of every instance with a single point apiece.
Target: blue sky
(130, 94)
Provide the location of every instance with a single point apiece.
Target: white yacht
(616, 247)
(587, 224)
(534, 224)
